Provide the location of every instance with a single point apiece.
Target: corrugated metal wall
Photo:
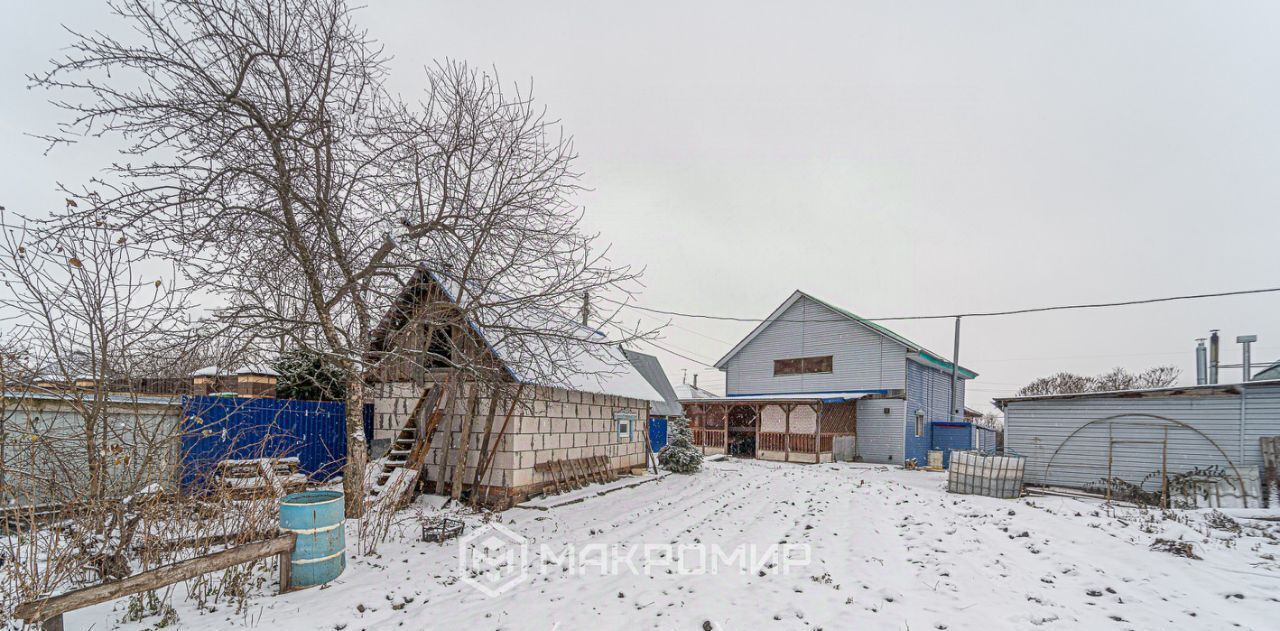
(45, 460)
(986, 439)
(220, 428)
(947, 437)
(879, 437)
(862, 359)
(1230, 423)
(928, 389)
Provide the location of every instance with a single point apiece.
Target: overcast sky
(890, 157)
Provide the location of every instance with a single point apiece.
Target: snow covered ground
(888, 549)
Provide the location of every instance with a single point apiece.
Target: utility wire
(976, 314)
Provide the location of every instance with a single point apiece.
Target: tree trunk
(357, 449)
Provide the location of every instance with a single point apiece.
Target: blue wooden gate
(221, 428)
(657, 433)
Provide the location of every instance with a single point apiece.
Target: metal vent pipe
(1247, 363)
(1213, 356)
(1202, 362)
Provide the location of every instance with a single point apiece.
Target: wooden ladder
(397, 472)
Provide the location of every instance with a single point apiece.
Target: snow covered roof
(257, 369)
(685, 392)
(921, 354)
(517, 334)
(250, 369)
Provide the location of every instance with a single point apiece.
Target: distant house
(1269, 373)
(597, 410)
(686, 391)
(813, 380)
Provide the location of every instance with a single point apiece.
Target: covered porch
(807, 428)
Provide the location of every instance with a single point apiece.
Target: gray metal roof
(649, 368)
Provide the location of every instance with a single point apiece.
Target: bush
(309, 376)
(680, 456)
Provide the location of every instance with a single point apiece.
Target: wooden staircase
(392, 479)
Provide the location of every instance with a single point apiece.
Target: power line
(681, 355)
(976, 314)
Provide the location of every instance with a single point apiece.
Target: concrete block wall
(548, 424)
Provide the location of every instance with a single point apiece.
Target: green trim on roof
(924, 353)
(946, 365)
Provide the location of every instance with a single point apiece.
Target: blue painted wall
(928, 389)
(948, 436)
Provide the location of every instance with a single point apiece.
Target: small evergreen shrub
(680, 456)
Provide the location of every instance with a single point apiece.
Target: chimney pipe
(1246, 341)
(1202, 362)
(586, 307)
(695, 380)
(1213, 356)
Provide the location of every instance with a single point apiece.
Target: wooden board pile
(259, 477)
(569, 475)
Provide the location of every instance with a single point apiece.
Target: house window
(919, 423)
(625, 424)
(802, 365)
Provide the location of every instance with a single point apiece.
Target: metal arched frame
(1110, 419)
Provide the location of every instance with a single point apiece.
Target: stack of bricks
(548, 424)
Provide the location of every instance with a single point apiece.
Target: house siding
(863, 359)
(1234, 423)
(879, 435)
(928, 389)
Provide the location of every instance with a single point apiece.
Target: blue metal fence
(221, 428)
(948, 436)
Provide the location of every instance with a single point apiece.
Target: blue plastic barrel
(319, 553)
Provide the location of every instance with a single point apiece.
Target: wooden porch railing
(708, 437)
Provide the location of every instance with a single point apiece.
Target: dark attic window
(802, 365)
(439, 348)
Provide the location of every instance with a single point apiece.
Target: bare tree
(281, 175)
(91, 324)
(1115, 379)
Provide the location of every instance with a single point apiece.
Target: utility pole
(955, 376)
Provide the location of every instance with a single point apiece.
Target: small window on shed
(439, 347)
(919, 423)
(802, 365)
